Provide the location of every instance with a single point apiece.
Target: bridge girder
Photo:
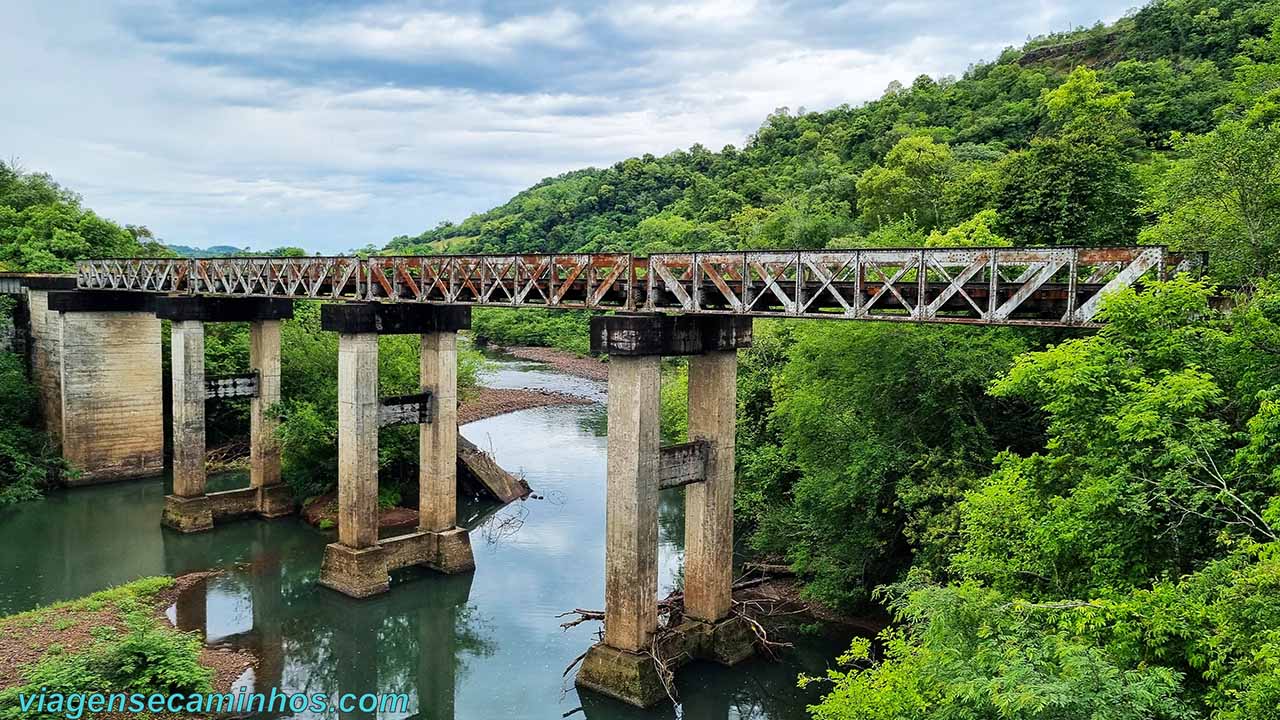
(1056, 286)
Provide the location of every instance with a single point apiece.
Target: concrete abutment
(96, 358)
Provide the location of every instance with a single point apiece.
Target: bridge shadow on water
(481, 646)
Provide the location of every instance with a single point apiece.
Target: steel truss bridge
(1058, 286)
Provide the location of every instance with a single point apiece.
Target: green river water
(487, 645)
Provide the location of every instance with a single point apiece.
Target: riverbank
(781, 598)
(562, 360)
(485, 402)
(119, 639)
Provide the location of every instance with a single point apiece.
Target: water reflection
(486, 645)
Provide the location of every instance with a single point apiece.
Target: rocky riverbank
(484, 402)
(564, 361)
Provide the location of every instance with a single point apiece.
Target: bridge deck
(1010, 286)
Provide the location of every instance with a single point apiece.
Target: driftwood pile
(750, 610)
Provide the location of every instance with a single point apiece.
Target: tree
(1076, 186)
(1223, 196)
(909, 184)
(43, 228)
(978, 231)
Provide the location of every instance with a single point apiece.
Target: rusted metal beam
(682, 464)
(1052, 286)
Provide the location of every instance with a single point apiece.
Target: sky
(335, 125)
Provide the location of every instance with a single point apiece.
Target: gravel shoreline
(562, 360)
(485, 402)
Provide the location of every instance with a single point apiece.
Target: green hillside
(1063, 525)
(187, 251)
(1071, 167)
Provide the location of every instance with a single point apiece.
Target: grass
(130, 648)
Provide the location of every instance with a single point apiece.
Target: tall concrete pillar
(708, 516)
(188, 508)
(438, 439)
(273, 499)
(356, 565)
(358, 440)
(186, 366)
(621, 666)
(110, 385)
(438, 455)
(631, 515)
(191, 507)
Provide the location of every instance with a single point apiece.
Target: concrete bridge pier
(622, 666)
(191, 508)
(106, 403)
(359, 564)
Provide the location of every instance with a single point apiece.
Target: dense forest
(1063, 524)
(45, 228)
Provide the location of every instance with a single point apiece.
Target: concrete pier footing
(359, 564)
(623, 665)
(633, 676)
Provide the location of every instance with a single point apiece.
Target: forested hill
(992, 154)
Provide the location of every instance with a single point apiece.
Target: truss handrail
(1056, 286)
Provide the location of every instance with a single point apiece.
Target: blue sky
(333, 125)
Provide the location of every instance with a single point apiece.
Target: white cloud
(271, 149)
(708, 18)
(396, 33)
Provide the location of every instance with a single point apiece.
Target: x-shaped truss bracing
(1010, 286)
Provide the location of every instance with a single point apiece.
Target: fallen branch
(583, 616)
(773, 569)
(574, 663)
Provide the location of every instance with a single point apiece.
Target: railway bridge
(96, 338)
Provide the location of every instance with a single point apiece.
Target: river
(481, 646)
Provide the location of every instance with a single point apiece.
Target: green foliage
(308, 430)
(674, 402)
(873, 433)
(966, 652)
(29, 464)
(1129, 566)
(1143, 442)
(909, 184)
(566, 330)
(979, 231)
(1223, 196)
(43, 228)
(146, 656)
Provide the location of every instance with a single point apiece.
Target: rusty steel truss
(1057, 286)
